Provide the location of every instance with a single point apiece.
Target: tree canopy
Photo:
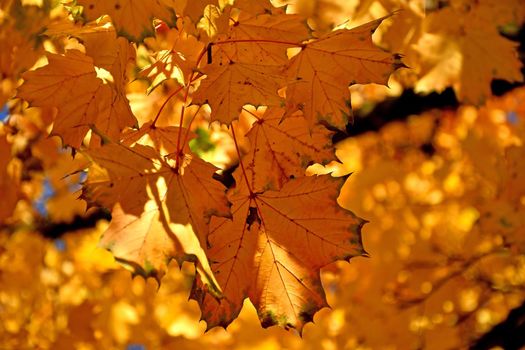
(265, 160)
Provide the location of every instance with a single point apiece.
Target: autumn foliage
(215, 133)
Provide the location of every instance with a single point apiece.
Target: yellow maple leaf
(132, 19)
(160, 211)
(247, 61)
(467, 55)
(321, 72)
(70, 83)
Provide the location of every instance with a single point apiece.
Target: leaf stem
(164, 105)
(251, 113)
(193, 77)
(188, 129)
(179, 151)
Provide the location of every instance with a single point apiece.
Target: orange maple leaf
(282, 149)
(161, 206)
(247, 63)
(321, 73)
(70, 83)
(273, 249)
(176, 57)
(466, 55)
(285, 226)
(132, 19)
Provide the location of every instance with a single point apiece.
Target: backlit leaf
(69, 82)
(132, 19)
(324, 68)
(161, 208)
(273, 249)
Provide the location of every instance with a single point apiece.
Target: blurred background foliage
(439, 177)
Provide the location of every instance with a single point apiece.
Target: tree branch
(508, 334)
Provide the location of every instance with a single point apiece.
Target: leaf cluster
(138, 91)
(267, 236)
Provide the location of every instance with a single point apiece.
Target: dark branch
(410, 103)
(54, 230)
(509, 334)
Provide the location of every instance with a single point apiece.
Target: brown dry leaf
(69, 82)
(273, 249)
(132, 19)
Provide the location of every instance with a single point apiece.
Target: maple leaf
(247, 63)
(262, 38)
(167, 140)
(458, 45)
(111, 53)
(273, 249)
(283, 149)
(70, 83)
(176, 58)
(258, 7)
(229, 87)
(213, 22)
(17, 55)
(284, 226)
(20, 43)
(161, 209)
(324, 68)
(132, 19)
(100, 40)
(467, 55)
(194, 9)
